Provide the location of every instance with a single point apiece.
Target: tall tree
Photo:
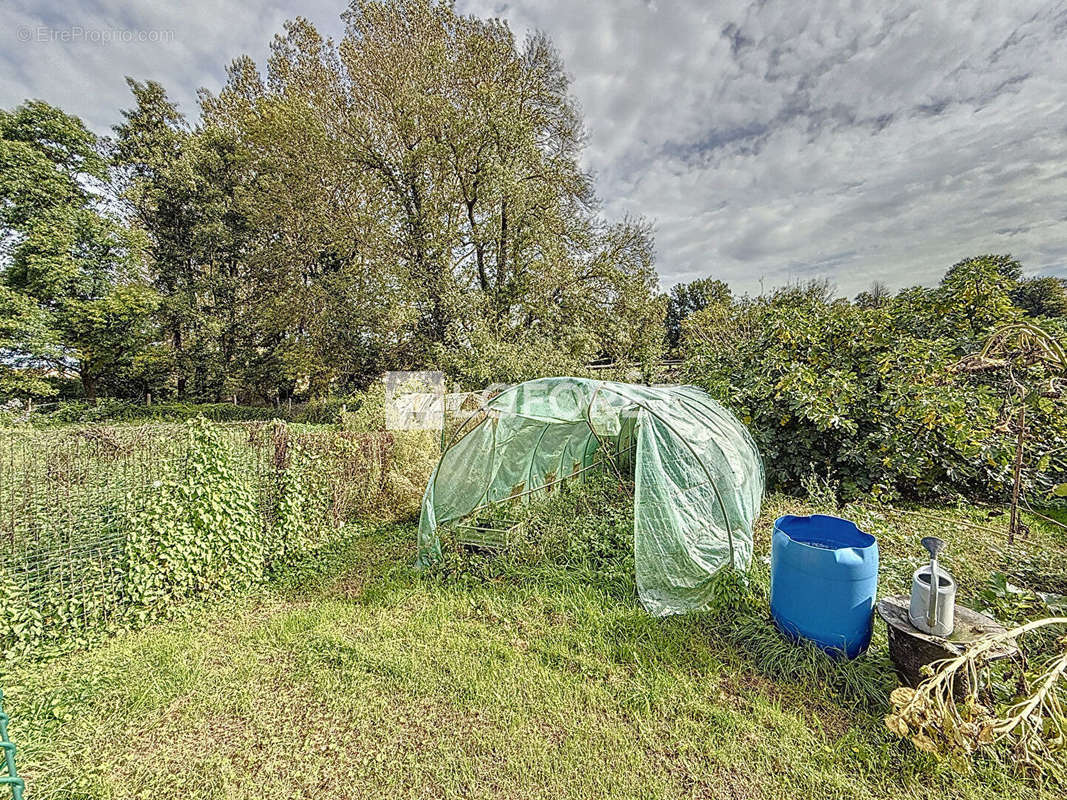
(686, 299)
(184, 189)
(73, 295)
(1042, 297)
(431, 161)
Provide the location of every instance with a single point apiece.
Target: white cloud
(791, 140)
(768, 140)
(77, 53)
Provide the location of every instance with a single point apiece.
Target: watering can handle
(933, 546)
(931, 606)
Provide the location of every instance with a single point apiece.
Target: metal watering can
(933, 594)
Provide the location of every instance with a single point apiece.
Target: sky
(768, 142)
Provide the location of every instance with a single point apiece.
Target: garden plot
(533, 672)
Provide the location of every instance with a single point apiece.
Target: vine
(198, 533)
(221, 516)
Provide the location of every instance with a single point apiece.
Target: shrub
(866, 395)
(108, 410)
(320, 411)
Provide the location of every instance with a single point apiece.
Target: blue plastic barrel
(824, 576)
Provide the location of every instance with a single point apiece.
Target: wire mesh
(68, 497)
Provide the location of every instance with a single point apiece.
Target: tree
(421, 180)
(1041, 297)
(72, 293)
(976, 295)
(25, 340)
(183, 189)
(874, 297)
(687, 298)
(865, 395)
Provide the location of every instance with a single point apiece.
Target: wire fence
(69, 496)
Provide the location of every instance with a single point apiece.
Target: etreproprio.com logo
(81, 34)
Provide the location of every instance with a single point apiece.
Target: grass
(356, 677)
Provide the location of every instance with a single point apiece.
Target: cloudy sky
(768, 141)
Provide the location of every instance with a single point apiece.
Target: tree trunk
(89, 386)
(502, 255)
(177, 340)
(1013, 526)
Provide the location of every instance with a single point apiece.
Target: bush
(197, 533)
(109, 410)
(330, 411)
(321, 411)
(866, 395)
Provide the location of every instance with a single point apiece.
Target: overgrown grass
(532, 674)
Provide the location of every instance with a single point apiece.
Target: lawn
(354, 676)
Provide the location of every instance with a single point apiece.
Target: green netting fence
(9, 776)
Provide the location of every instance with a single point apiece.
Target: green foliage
(1015, 605)
(128, 525)
(186, 192)
(686, 299)
(975, 296)
(71, 299)
(1041, 297)
(323, 412)
(83, 412)
(510, 688)
(868, 395)
(24, 335)
(363, 412)
(419, 199)
(198, 533)
(24, 621)
(584, 528)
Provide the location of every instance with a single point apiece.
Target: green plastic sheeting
(698, 477)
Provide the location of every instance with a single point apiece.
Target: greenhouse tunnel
(698, 477)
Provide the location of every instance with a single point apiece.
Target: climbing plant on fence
(105, 528)
(197, 531)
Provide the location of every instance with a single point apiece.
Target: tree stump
(910, 649)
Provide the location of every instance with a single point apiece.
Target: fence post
(10, 775)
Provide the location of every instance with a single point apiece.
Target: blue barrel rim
(866, 540)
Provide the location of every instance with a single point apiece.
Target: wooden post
(148, 398)
(1013, 526)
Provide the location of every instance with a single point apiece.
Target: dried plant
(1034, 365)
(950, 713)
